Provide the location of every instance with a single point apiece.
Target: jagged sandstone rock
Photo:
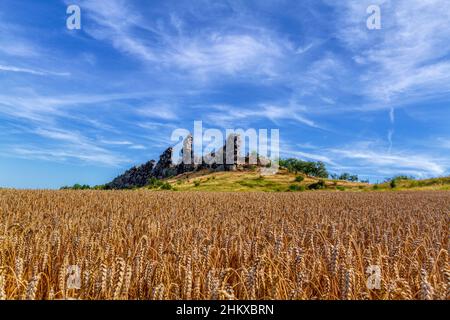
(227, 158)
(135, 177)
(164, 168)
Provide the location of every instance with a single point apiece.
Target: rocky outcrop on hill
(135, 177)
(164, 168)
(227, 158)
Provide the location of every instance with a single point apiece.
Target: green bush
(393, 183)
(375, 187)
(77, 186)
(196, 183)
(100, 187)
(318, 185)
(340, 188)
(296, 187)
(299, 178)
(154, 183)
(166, 186)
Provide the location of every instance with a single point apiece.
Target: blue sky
(83, 105)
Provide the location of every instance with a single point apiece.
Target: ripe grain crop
(194, 245)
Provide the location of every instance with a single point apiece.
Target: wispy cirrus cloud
(287, 152)
(70, 146)
(442, 142)
(229, 116)
(161, 110)
(36, 72)
(227, 54)
(116, 142)
(310, 68)
(138, 147)
(14, 40)
(43, 107)
(394, 163)
(123, 143)
(202, 53)
(408, 56)
(63, 155)
(370, 158)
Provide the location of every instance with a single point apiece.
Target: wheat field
(194, 245)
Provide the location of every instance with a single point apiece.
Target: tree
(321, 170)
(345, 176)
(393, 183)
(316, 169)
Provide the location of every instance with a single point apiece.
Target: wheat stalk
(151, 245)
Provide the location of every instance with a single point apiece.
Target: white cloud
(369, 158)
(116, 142)
(227, 54)
(15, 41)
(63, 154)
(44, 108)
(58, 134)
(18, 49)
(44, 115)
(138, 147)
(123, 143)
(73, 145)
(32, 71)
(408, 56)
(399, 162)
(229, 116)
(443, 143)
(209, 52)
(159, 111)
(310, 156)
(153, 125)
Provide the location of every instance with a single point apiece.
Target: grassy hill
(254, 181)
(285, 181)
(442, 183)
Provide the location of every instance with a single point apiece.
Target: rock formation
(227, 158)
(164, 168)
(135, 177)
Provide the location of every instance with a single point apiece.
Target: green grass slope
(442, 183)
(283, 181)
